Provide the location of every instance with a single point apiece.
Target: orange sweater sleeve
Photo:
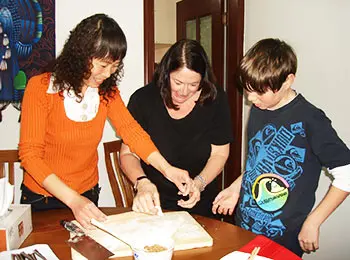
(34, 111)
(129, 129)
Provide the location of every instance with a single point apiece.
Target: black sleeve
(221, 131)
(136, 108)
(325, 142)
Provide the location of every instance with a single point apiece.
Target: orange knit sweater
(52, 143)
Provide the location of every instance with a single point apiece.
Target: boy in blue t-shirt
(289, 141)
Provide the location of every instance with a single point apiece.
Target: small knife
(84, 244)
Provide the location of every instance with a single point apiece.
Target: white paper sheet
(237, 255)
(44, 249)
(6, 195)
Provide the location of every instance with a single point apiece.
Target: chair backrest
(121, 186)
(8, 158)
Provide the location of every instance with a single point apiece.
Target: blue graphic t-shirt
(287, 148)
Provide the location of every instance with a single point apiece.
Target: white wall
(319, 32)
(129, 15)
(165, 21)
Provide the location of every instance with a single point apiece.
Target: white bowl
(140, 253)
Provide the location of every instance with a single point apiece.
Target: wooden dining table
(47, 230)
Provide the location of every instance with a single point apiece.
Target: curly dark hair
(97, 36)
(190, 54)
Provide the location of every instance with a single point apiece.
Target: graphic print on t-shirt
(270, 192)
(273, 166)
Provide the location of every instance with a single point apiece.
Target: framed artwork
(27, 45)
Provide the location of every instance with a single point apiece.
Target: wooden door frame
(235, 35)
(235, 29)
(148, 32)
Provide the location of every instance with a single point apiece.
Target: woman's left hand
(194, 197)
(147, 198)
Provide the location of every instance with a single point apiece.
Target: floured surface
(133, 227)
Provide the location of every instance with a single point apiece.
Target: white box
(15, 227)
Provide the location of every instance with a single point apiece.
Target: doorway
(202, 20)
(231, 16)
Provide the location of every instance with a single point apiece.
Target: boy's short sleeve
(325, 142)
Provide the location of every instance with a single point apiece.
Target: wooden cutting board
(180, 225)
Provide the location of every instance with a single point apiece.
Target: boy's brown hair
(266, 65)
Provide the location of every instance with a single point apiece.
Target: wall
(164, 26)
(319, 32)
(68, 14)
(165, 21)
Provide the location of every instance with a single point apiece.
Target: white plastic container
(140, 253)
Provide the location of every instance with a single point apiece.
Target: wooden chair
(122, 188)
(8, 158)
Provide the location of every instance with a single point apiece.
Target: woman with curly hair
(63, 116)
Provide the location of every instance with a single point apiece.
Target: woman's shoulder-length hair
(191, 55)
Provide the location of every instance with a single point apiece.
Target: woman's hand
(84, 210)
(194, 197)
(309, 236)
(147, 197)
(180, 178)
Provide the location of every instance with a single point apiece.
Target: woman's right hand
(147, 198)
(180, 178)
(84, 210)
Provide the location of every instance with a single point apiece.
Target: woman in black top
(188, 118)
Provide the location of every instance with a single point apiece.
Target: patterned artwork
(27, 44)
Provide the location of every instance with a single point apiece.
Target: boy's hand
(225, 202)
(309, 236)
